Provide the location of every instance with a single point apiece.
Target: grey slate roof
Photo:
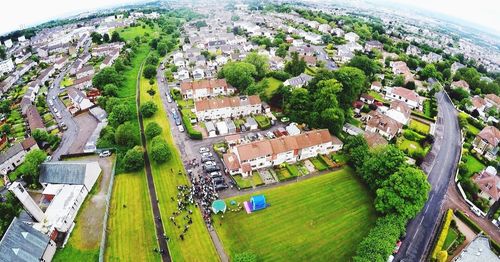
(12, 151)
(22, 242)
(62, 173)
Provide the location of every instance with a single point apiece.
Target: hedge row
(422, 116)
(443, 234)
(477, 229)
(192, 133)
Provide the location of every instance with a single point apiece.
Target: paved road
(160, 233)
(323, 56)
(440, 165)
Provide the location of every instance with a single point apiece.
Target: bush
(149, 71)
(148, 109)
(443, 234)
(152, 130)
(280, 75)
(160, 152)
(134, 159)
(412, 135)
(442, 256)
(468, 221)
(192, 133)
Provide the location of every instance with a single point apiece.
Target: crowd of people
(204, 191)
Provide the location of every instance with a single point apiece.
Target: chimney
(29, 204)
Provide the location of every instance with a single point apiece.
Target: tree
(96, 38)
(5, 106)
(125, 135)
(326, 94)
(105, 38)
(260, 62)
(119, 65)
(108, 75)
(245, 257)
(148, 109)
(380, 165)
(3, 53)
(298, 105)
(353, 82)
(115, 37)
(40, 135)
(5, 130)
(120, 114)
(110, 90)
(152, 60)
(399, 80)
(134, 159)
(10, 207)
(326, 38)
(239, 74)
(363, 62)
(160, 152)
(429, 71)
(404, 193)
(333, 119)
(296, 66)
(149, 71)
(357, 150)
(152, 130)
(30, 167)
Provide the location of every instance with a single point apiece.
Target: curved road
(440, 165)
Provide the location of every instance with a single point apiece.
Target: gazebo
(219, 206)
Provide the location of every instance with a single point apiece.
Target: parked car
(207, 158)
(206, 154)
(169, 98)
(58, 115)
(55, 109)
(51, 103)
(178, 121)
(219, 187)
(53, 97)
(210, 169)
(475, 210)
(218, 180)
(203, 150)
(396, 248)
(210, 163)
(105, 153)
(174, 112)
(181, 128)
(215, 174)
(63, 126)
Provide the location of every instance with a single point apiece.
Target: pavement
(440, 165)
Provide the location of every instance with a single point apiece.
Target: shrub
(160, 152)
(280, 75)
(412, 135)
(152, 130)
(192, 133)
(124, 136)
(148, 109)
(134, 159)
(443, 234)
(442, 256)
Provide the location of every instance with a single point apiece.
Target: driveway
(323, 56)
(440, 165)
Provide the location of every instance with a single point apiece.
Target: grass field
(408, 145)
(420, 127)
(452, 236)
(473, 165)
(197, 244)
(273, 85)
(131, 233)
(319, 219)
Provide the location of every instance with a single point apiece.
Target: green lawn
(319, 219)
(408, 145)
(197, 244)
(67, 81)
(318, 164)
(452, 236)
(273, 85)
(420, 127)
(376, 95)
(473, 164)
(243, 182)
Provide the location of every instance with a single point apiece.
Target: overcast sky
(24, 13)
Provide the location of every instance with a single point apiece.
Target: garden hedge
(443, 234)
(468, 221)
(192, 133)
(422, 116)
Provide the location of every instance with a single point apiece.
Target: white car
(210, 163)
(181, 128)
(55, 109)
(203, 150)
(51, 103)
(105, 153)
(169, 98)
(53, 97)
(58, 115)
(173, 110)
(206, 154)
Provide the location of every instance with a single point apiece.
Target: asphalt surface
(440, 165)
(323, 56)
(160, 233)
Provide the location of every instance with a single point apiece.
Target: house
(478, 250)
(324, 28)
(79, 100)
(83, 83)
(205, 89)
(432, 57)
(182, 74)
(488, 183)
(373, 44)
(211, 131)
(367, 99)
(351, 37)
(6, 66)
(344, 54)
(298, 81)
(231, 127)
(374, 140)
(486, 142)
(110, 59)
(382, 124)
(410, 97)
(399, 111)
(11, 158)
(227, 107)
(85, 71)
(376, 86)
(310, 60)
(59, 63)
(34, 119)
(492, 100)
(460, 84)
(198, 73)
(286, 149)
(22, 242)
(479, 104)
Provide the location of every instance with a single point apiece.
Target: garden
(335, 204)
(253, 181)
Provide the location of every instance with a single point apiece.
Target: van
(181, 128)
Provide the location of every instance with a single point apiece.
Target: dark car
(218, 180)
(219, 187)
(207, 158)
(210, 169)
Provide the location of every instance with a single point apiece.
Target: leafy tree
(282, 50)
(399, 80)
(152, 60)
(149, 71)
(125, 135)
(429, 71)
(134, 159)
(160, 152)
(239, 74)
(119, 65)
(120, 114)
(5, 106)
(115, 37)
(108, 75)
(245, 257)
(30, 167)
(333, 119)
(370, 67)
(40, 135)
(3, 53)
(380, 165)
(96, 38)
(9, 208)
(326, 38)
(5, 129)
(152, 130)
(298, 106)
(110, 90)
(148, 109)
(260, 62)
(353, 82)
(404, 193)
(296, 66)
(357, 150)
(326, 96)
(105, 38)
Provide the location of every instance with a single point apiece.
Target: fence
(102, 247)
